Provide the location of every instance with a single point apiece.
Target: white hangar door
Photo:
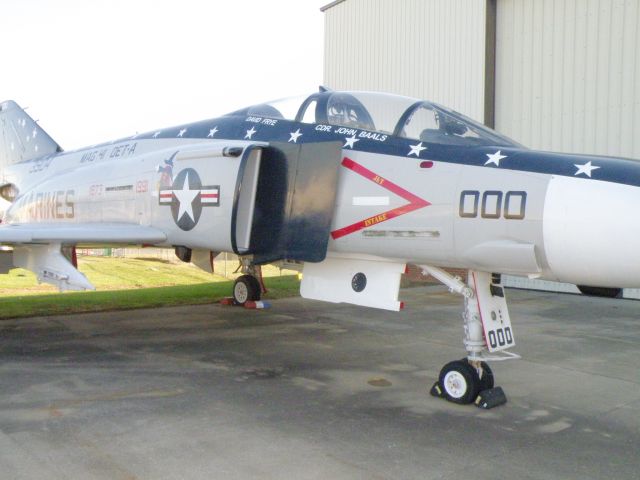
(566, 80)
(567, 74)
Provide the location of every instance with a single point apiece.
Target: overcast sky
(92, 71)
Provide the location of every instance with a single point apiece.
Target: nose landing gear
(488, 334)
(461, 382)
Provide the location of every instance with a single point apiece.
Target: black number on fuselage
(492, 205)
(467, 198)
(511, 205)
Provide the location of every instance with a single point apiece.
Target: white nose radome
(592, 232)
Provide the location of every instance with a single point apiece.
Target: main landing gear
(249, 286)
(246, 288)
(487, 334)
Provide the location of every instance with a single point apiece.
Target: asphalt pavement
(309, 390)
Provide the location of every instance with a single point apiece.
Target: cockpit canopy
(385, 113)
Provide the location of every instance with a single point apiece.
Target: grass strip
(82, 302)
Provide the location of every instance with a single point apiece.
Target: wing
(121, 233)
(38, 247)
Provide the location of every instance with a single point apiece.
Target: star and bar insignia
(187, 196)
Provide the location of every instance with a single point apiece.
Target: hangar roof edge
(331, 5)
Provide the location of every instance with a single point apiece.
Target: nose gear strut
(487, 334)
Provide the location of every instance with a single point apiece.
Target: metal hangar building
(557, 75)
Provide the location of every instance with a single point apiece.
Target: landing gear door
(289, 212)
(494, 314)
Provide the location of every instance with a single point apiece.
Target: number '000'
(500, 337)
(493, 204)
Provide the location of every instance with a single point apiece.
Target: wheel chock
(436, 391)
(490, 398)
(256, 305)
(251, 305)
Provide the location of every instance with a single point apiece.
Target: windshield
(377, 111)
(482, 131)
(433, 123)
(386, 113)
(284, 108)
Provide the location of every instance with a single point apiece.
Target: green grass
(107, 273)
(125, 283)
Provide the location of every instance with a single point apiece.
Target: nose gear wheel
(459, 382)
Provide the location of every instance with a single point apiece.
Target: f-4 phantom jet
(350, 186)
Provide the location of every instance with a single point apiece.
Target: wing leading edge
(120, 233)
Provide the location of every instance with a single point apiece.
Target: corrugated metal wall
(568, 75)
(567, 71)
(432, 49)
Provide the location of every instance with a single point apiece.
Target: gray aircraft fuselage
(452, 194)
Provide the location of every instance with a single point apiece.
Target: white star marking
(587, 168)
(34, 133)
(294, 136)
(350, 141)
(155, 135)
(212, 132)
(182, 132)
(495, 158)
(185, 197)
(250, 133)
(416, 149)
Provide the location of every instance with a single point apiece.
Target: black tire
(486, 381)
(246, 288)
(606, 292)
(459, 382)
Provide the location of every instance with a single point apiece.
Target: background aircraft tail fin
(21, 138)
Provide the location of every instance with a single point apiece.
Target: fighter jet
(350, 186)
